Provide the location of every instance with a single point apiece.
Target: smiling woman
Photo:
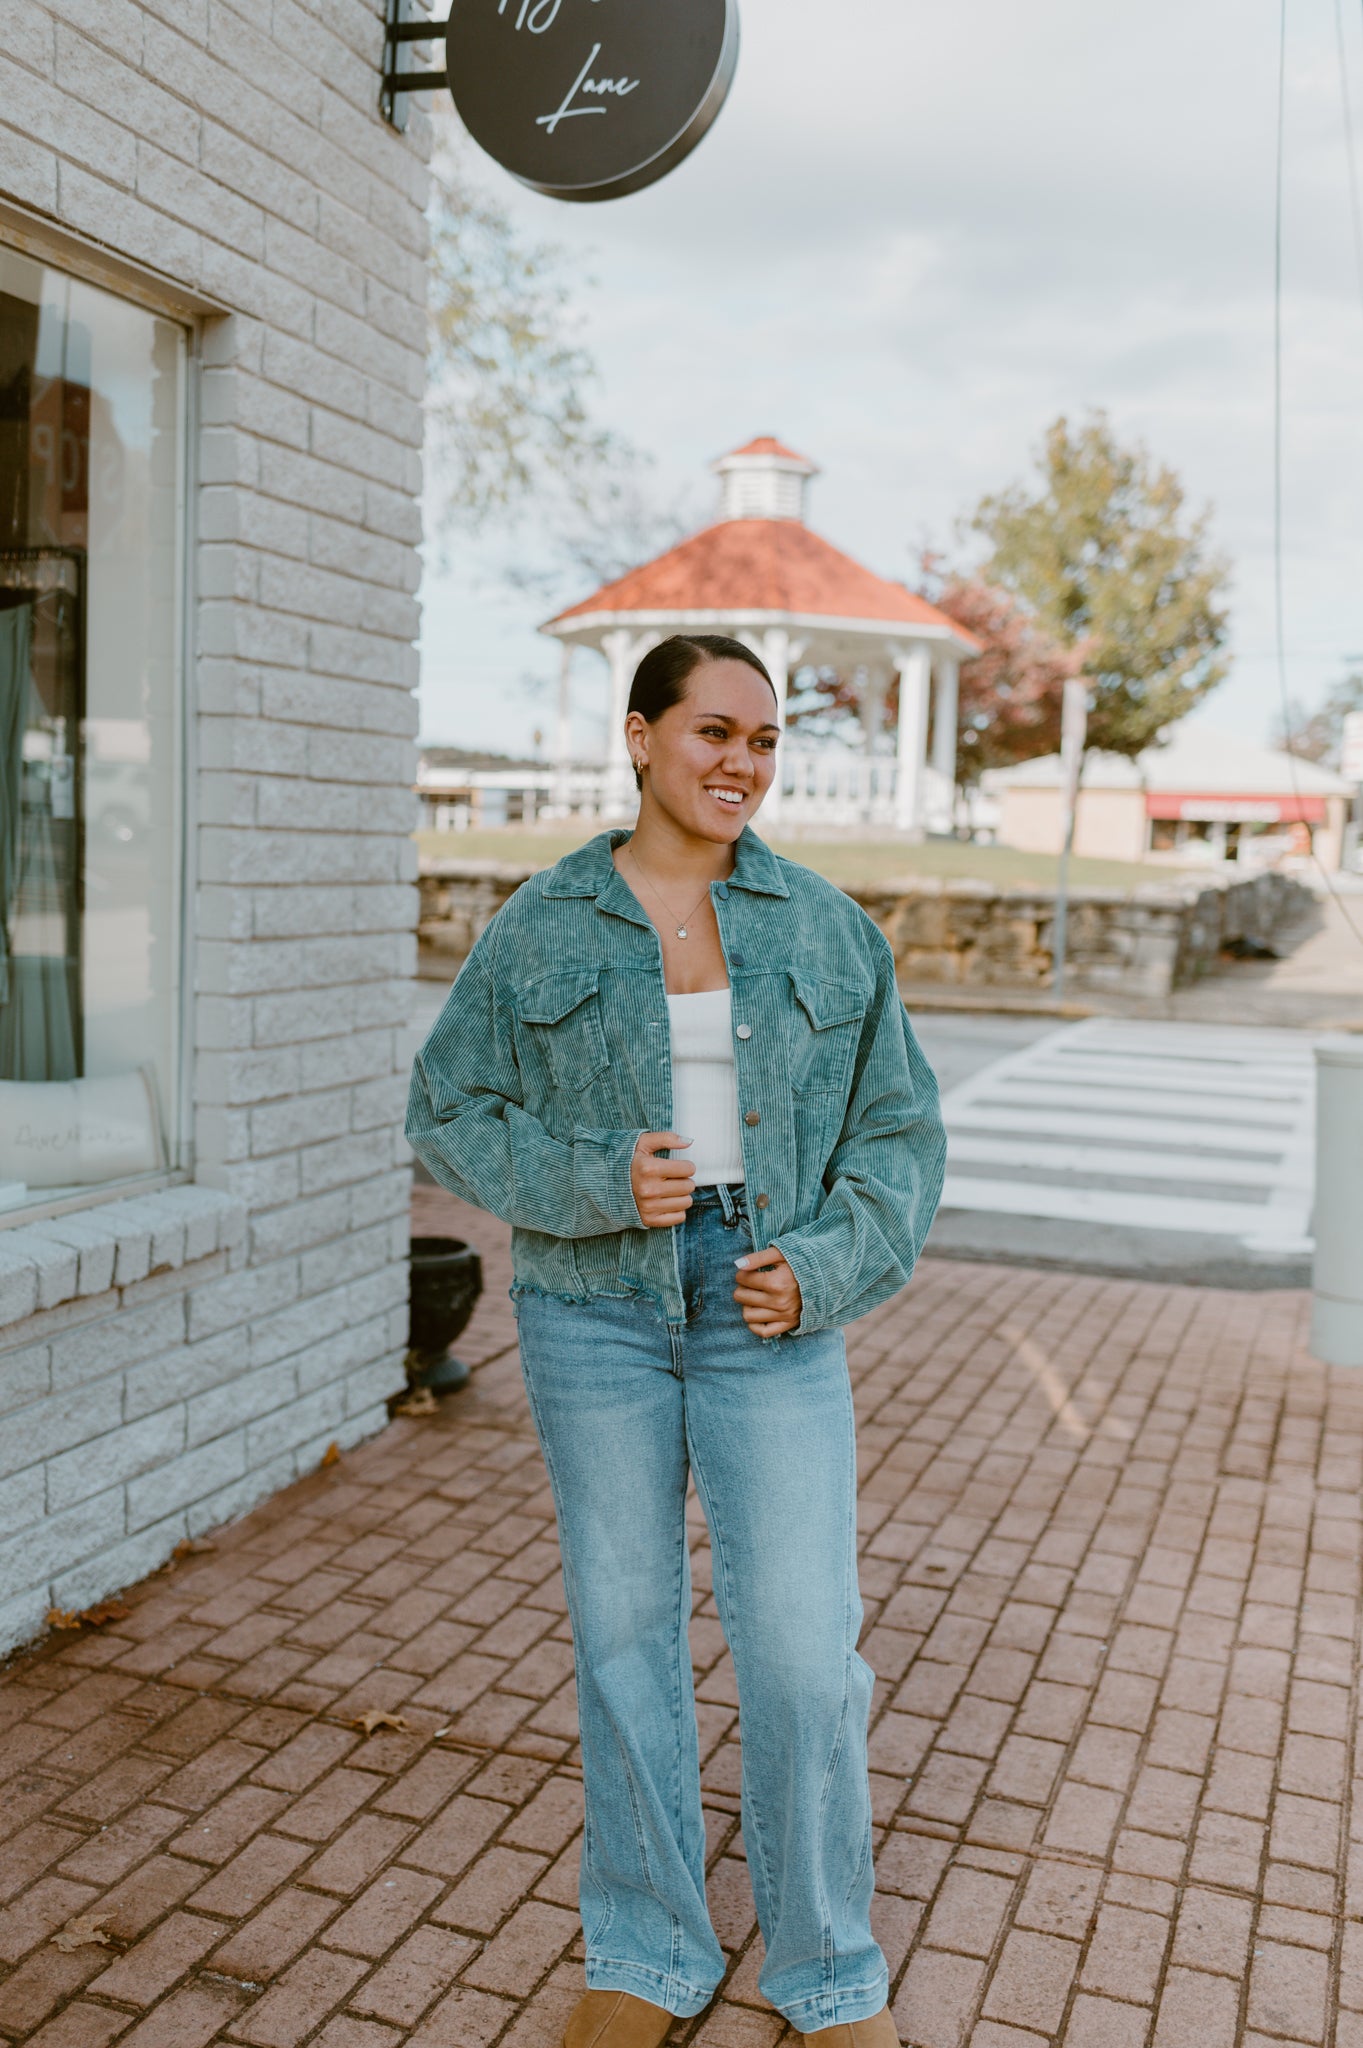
(709, 756)
(680, 1067)
(660, 685)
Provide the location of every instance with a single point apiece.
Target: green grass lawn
(847, 861)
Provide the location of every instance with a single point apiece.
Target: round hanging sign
(590, 99)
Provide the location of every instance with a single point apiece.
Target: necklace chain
(679, 928)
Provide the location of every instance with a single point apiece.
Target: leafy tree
(1101, 556)
(508, 374)
(508, 405)
(1319, 735)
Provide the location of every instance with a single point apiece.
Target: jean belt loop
(727, 1204)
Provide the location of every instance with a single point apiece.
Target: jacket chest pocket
(827, 1025)
(562, 1017)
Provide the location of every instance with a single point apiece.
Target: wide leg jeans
(626, 1406)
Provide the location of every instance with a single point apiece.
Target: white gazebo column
(622, 651)
(872, 686)
(563, 731)
(777, 654)
(915, 670)
(946, 678)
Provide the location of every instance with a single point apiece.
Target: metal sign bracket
(518, 76)
(400, 29)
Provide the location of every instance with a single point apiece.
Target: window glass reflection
(91, 518)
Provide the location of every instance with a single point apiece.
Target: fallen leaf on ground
(421, 1401)
(82, 1932)
(107, 1610)
(332, 1454)
(62, 1617)
(193, 1546)
(377, 1717)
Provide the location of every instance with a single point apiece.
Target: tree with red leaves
(1009, 704)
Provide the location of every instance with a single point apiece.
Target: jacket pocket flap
(826, 1003)
(554, 996)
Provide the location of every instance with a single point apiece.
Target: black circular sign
(590, 99)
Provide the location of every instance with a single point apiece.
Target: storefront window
(91, 553)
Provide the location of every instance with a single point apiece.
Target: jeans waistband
(729, 1197)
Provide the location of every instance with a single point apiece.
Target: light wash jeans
(626, 1404)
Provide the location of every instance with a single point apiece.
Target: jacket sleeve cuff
(602, 1161)
(804, 1264)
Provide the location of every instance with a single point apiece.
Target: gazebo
(762, 575)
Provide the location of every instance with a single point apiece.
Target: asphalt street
(1154, 1149)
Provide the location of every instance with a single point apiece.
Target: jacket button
(764, 1201)
(752, 1116)
(722, 892)
(737, 959)
(744, 1031)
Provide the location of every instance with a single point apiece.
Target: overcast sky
(913, 237)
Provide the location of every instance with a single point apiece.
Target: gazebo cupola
(763, 480)
(762, 575)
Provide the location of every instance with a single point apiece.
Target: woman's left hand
(768, 1293)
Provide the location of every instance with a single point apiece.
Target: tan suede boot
(879, 2031)
(616, 2019)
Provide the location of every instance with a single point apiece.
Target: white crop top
(705, 1085)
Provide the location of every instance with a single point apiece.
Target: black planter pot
(447, 1279)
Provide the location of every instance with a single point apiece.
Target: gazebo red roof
(763, 565)
(767, 444)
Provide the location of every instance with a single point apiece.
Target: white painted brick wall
(160, 1367)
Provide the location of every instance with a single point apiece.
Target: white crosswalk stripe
(1152, 1126)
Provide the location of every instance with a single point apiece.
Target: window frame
(58, 249)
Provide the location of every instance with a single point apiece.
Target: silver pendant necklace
(680, 929)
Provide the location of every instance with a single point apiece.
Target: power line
(1279, 609)
(1355, 204)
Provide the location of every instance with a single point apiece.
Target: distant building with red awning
(1203, 795)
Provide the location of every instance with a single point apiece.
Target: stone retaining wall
(970, 935)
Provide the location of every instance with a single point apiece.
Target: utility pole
(1073, 727)
(1351, 766)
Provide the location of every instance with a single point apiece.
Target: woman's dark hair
(662, 676)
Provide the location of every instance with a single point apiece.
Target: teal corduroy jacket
(552, 1054)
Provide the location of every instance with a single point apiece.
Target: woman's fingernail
(740, 1263)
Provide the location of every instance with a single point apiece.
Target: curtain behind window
(39, 893)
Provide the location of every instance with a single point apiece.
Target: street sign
(590, 99)
(1351, 759)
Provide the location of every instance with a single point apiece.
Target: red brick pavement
(1111, 1567)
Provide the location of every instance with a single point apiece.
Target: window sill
(40, 1205)
(112, 1244)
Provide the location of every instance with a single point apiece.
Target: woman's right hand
(662, 1187)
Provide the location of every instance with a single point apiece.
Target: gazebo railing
(832, 785)
(824, 786)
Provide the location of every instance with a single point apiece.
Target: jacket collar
(590, 871)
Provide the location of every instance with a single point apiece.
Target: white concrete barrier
(1337, 1309)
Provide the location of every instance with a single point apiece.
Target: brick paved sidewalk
(1112, 1577)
